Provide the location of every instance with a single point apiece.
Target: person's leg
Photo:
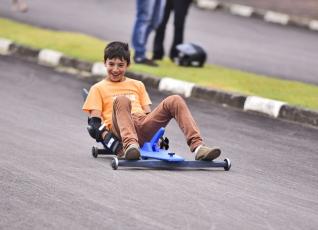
(141, 27)
(124, 128)
(19, 5)
(134, 130)
(175, 107)
(180, 8)
(158, 13)
(158, 49)
(171, 107)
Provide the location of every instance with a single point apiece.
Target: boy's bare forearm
(146, 109)
(95, 113)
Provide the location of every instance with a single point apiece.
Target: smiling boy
(123, 106)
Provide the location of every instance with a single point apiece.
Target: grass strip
(88, 48)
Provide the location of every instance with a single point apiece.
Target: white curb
(176, 86)
(241, 10)
(313, 25)
(4, 46)
(208, 4)
(263, 105)
(275, 17)
(49, 57)
(99, 69)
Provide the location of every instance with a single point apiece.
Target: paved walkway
(300, 8)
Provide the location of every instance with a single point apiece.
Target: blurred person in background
(180, 9)
(19, 5)
(148, 17)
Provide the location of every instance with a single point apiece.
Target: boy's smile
(116, 69)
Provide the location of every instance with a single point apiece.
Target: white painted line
(176, 86)
(313, 25)
(4, 46)
(208, 4)
(49, 57)
(263, 105)
(241, 10)
(99, 69)
(275, 17)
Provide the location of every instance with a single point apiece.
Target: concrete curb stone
(272, 108)
(5, 46)
(76, 64)
(177, 86)
(149, 81)
(49, 57)
(24, 52)
(263, 105)
(268, 16)
(313, 25)
(218, 96)
(299, 115)
(98, 68)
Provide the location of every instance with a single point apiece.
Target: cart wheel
(115, 163)
(227, 164)
(102, 152)
(95, 151)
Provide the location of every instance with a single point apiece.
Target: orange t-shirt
(102, 94)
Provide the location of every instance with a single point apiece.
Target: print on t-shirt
(131, 96)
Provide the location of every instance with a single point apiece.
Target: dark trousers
(180, 9)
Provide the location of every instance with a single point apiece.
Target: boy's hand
(95, 128)
(98, 131)
(146, 109)
(101, 133)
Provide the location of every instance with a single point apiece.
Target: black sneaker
(146, 61)
(157, 57)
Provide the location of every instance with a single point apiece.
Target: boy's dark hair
(117, 50)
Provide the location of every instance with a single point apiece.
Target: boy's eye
(118, 64)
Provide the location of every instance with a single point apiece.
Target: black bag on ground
(190, 54)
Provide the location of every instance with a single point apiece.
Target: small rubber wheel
(227, 164)
(115, 163)
(95, 151)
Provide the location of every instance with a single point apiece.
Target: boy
(123, 106)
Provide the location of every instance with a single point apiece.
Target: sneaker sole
(132, 154)
(213, 155)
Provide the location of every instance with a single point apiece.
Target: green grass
(91, 49)
(72, 44)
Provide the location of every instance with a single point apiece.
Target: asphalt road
(49, 180)
(247, 44)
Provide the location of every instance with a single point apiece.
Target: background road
(48, 179)
(236, 42)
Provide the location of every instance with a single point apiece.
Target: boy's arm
(146, 108)
(145, 101)
(109, 140)
(97, 113)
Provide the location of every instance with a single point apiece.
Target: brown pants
(139, 128)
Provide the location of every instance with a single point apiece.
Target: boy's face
(116, 69)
